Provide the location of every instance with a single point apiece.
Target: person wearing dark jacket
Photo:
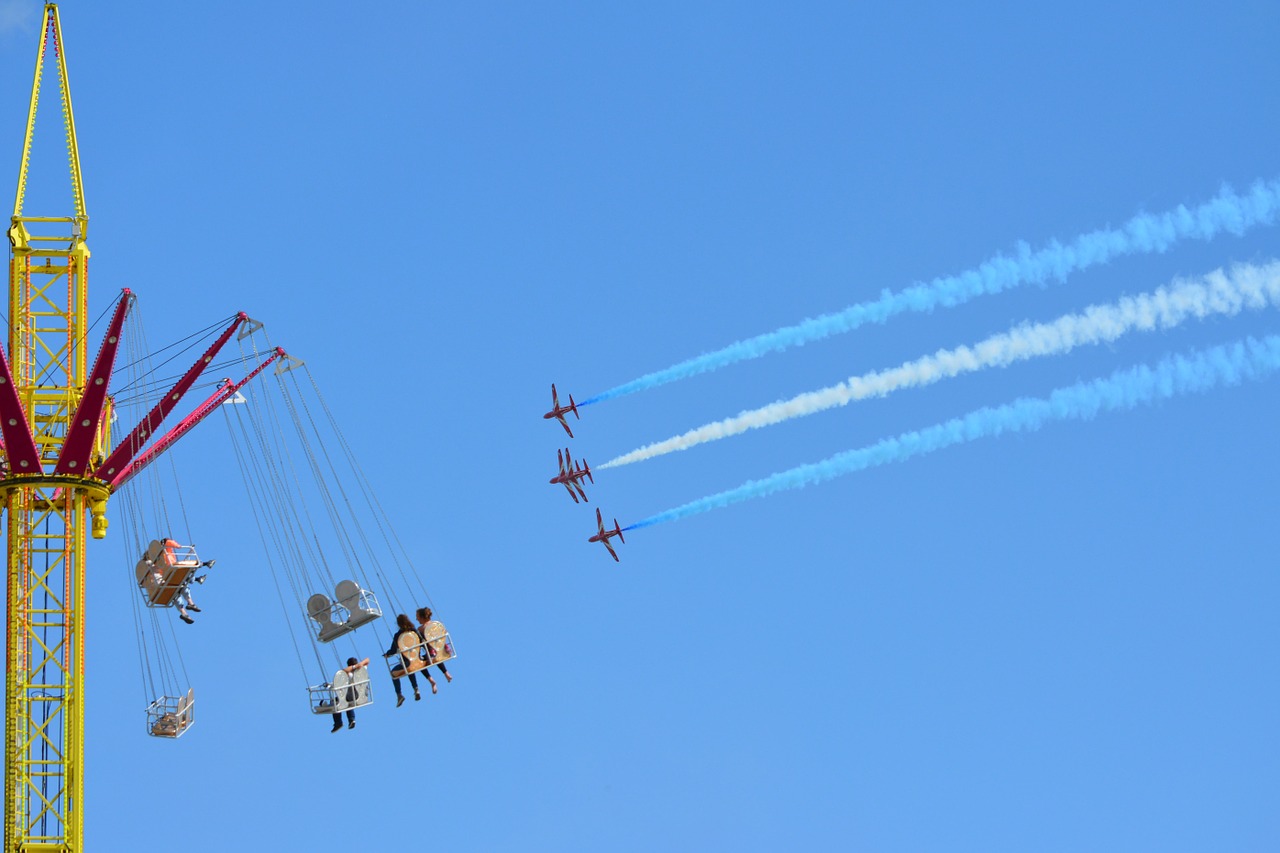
(353, 666)
(404, 626)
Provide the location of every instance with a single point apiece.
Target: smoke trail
(1246, 286)
(1182, 374)
(1144, 233)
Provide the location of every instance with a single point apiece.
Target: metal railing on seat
(352, 607)
(345, 693)
(171, 716)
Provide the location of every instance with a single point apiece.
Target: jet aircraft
(604, 536)
(571, 474)
(558, 412)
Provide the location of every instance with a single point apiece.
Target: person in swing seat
(424, 616)
(184, 593)
(353, 666)
(403, 626)
(170, 558)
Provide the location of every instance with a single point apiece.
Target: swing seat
(354, 607)
(400, 670)
(347, 692)
(171, 716)
(172, 554)
(164, 571)
(360, 604)
(415, 656)
(438, 642)
(410, 657)
(160, 585)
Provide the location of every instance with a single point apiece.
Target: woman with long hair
(404, 626)
(424, 617)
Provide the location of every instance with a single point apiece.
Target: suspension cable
(371, 498)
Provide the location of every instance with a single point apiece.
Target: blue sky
(1052, 641)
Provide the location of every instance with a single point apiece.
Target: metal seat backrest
(412, 654)
(351, 596)
(320, 608)
(409, 644)
(160, 580)
(146, 575)
(348, 594)
(341, 681)
(359, 683)
(437, 640)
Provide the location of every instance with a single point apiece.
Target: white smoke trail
(1193, 373)
(1218, 293)
(1145, 233)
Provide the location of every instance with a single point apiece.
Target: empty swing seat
(353, 607)
(346, 693)
(171, 716)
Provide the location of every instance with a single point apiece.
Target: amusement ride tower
(58, 467)
(57, 471)
(47, 490)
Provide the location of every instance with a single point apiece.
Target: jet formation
(572, 474)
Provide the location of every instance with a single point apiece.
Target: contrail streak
(1246, 286)
(1197, 372)
(1144, 233)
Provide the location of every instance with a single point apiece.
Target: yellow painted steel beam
(46, 519)
(51, 37)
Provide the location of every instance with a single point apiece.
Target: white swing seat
(171, 716)
(354, 607)
(346, 693)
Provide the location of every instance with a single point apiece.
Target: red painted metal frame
(125, 450)
(201, 412)
(20, 446)
(84, 426)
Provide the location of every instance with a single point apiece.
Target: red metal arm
(224, 393)
(126, 449)
(23, 456)
(84, 426)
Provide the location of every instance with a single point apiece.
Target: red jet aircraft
(558, 412)
(604, 536)
(571, 474)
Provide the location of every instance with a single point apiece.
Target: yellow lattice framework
(44, 702)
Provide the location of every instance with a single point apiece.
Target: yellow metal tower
(47, 490)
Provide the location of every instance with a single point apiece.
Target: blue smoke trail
(1144, 233)
(1229, 364)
